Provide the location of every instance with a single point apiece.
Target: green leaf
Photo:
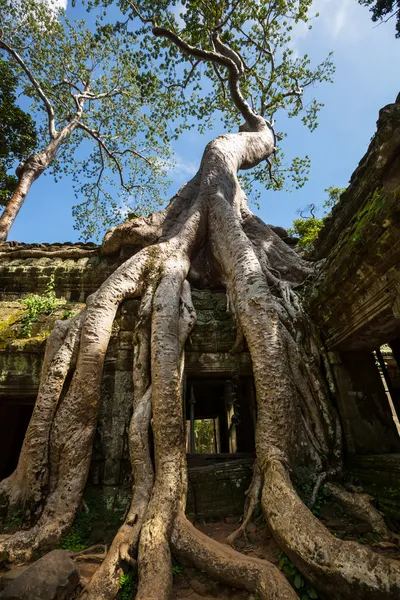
(298, 581)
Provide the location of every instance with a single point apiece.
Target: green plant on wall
(308, 228)
(304, 589)
(126, 586)
(37, 305)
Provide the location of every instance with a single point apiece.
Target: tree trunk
(206, 229)
(27, 173)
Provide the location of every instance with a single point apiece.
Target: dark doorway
(15, 415)
(220, 416)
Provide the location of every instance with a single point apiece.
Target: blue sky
(367, 60)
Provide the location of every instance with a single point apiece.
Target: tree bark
(28, 172)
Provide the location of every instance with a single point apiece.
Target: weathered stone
(355, 293)
(199, 587)
(232, 519)
(52, 577)
(253, 538)
(11, 575)
(251, 527)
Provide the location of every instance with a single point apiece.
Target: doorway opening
(388, 363)
(220, 417)
(15, 415)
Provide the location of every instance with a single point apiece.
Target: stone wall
(207, 353)
(355, 299)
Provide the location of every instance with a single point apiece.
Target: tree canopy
(186, 37)
(308, 228)
(88, 91)
(17, 132)
(384, 10)
(131, 86)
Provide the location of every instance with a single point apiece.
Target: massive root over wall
(207, 231)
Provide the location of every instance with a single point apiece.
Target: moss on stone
(11, 316)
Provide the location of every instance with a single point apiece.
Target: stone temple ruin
(354, 300)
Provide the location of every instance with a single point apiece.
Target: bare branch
(109, 94)
(186, 81)
(294, 92)
(113, 155)
(271, 175)
(36, 84)
(216, 58)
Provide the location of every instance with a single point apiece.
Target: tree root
(24, 488)
(228, 566)
(252, 500)
(343, 570)
(360, 507)
(89, 554)
(155, 574)
(73, 420)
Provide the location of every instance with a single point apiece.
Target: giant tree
(85, 86)
(207, 228)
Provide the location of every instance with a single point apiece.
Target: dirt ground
(190, 584)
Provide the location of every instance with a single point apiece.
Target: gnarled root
(296, 424)
(343, 570)
(252, 500)
(70, 425)
(24, 488)
(360, 507)
(228, 566)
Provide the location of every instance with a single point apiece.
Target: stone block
(52, 577)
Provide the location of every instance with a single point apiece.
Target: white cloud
(181, 168)
(338, 20)
(57, 4)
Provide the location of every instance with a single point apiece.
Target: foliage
(67, 314)
(308, 228)
(77, 538)
(17, 132)
(274, 79)
(39, 305)
(296, 579)
(126, 586)
(383, 10)
(204, 436)
(177, 568)
(88, 90)
(13, 522)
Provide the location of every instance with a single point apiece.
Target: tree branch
(271, 175)
(232, 66)
(225, 57)
(36, 84)
(112, 155)
(295, 92)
